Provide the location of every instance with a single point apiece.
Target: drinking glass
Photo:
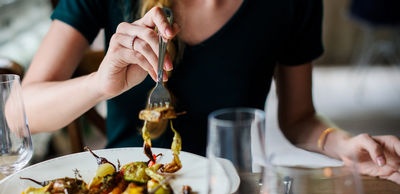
(235, 150)
(290, 180)
(15, 139)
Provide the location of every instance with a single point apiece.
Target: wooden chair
(8, 66)
(90, 63)
(379, 21)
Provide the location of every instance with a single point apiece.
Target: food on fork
(158, 114)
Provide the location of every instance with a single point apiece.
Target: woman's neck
(200, 19)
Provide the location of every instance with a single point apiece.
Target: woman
(231, 51)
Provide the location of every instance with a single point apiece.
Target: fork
(159, 95)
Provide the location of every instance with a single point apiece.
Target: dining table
(305, 180)
(369, 184)
(373, 185)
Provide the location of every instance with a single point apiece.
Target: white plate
(193, 172)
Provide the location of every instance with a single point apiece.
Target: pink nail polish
(380, 161)
(168, 33)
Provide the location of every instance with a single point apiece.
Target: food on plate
(61, 185)
(186, 189)
(138, 177)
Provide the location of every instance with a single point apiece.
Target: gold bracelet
(322, 137)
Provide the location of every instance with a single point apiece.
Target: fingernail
(380, 161)
(169, 67)
(168, 32)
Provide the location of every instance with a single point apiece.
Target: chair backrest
(376, 12)
(89, 63)
(10, 66)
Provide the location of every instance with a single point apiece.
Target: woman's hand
(133, 53)
(376, 156)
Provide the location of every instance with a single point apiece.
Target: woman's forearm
(317, 134)
(53, 105)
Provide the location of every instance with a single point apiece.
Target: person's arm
(51, 99)
(297, 116)
(374, 155)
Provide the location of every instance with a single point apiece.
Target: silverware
(159, 95)
(287, 183)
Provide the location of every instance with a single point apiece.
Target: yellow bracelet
(322, 137)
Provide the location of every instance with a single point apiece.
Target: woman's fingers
(156, 18)
(395, 177)
(133, 50)
(146, 34)
(143, 40)
(123, 55)
(143, 48)
(375, 150)
(391, 146)
(137, 44)
(390, 142)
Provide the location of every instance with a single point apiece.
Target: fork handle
(161, 56)
(163, 46)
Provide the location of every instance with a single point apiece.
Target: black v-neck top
(232, 68)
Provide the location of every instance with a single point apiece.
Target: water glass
(297, 180)
(15, 139)
(235, 150)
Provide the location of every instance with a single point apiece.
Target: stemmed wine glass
(15, 139)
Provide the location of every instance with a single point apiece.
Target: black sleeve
(304, 43)
(83, 15)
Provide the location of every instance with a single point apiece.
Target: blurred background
(356, 81)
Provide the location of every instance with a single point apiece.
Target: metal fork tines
(159, 95)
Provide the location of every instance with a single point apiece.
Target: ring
(133, 42)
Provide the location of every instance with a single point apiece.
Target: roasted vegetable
(176, 147)
(157, 114)
(106, 178)
(136, 172)
(156, 119)
(133, 188)
(100, 160)
(156, 188)
(186, 189)
(62, 185)
(139, 177)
